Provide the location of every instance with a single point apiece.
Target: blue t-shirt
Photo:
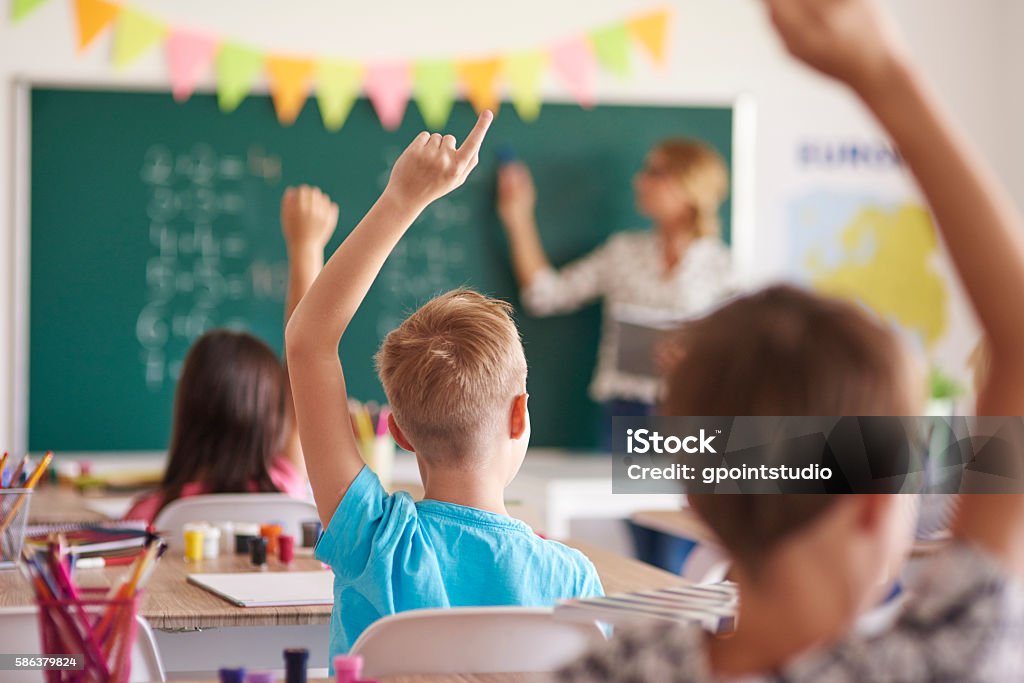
(390, 554)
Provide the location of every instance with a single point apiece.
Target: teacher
(678, 269)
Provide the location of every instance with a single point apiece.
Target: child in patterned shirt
(808, 565)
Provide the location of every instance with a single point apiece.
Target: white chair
(471, 640)
(260, 508)
(19, 634)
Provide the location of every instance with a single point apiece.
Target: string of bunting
(432, 82)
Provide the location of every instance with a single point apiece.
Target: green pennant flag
(237, 68)
(611, 45)
(338, 85)
(136, 32)
(22, 8)
(523, 73)
(433, 89)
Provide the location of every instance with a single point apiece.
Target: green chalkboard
(151, 221)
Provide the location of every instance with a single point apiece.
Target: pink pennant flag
(189, 55)
(388, 86)
(573, 61)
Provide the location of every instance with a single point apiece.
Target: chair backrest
(19, 634)
(472, 640)
(260, 508)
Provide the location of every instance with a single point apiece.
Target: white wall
(1010, 96)
(722, 47)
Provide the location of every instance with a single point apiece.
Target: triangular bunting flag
(523, 72)
(611, 45)
(338, 84)
(480, 78)
(574, 63)
(651, 31)
(92, 16)
(387, 86)
(434, 91)
(136, 32)
(22, 8)
(289, 85)
(237, 68)
(189, 55)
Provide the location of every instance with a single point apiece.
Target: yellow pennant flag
(651, 31)
(337, 85)
(91, 17)
(524, 71)
(136, 32)
(480, 78)
(289, 85)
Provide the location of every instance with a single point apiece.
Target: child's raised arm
(308, 219)
(428, 169)
(853, 40)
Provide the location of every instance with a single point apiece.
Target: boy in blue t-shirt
(455, 376)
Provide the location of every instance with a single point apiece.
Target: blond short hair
(702, 173)
(451, 370)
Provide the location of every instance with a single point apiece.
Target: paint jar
(311, 532)
(245, 532)
(195, 535)
(348, 668)
(211, 543)
(258, 551)
(286, 548)
(232, 675)
(271, 533)
(295, 662)
(227, 537)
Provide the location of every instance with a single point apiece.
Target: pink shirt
(282, 472)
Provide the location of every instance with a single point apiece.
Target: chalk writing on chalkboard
(199, 253)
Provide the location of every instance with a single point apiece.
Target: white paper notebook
(270, 589)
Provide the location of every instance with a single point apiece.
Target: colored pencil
(17, 472)
(22, 497)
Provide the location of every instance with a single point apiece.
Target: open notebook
(270, 589)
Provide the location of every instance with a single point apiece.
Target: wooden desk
(58, 504)
(171, 603)
(624, 574)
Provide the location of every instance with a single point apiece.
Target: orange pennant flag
(92, 17)
(651, 31)
(289, 85)
(480, 78)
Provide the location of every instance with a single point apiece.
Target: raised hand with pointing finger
(432, 166)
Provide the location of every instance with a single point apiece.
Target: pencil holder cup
(14, 505)
(96, 632)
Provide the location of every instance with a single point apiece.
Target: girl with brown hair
(233, 417)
